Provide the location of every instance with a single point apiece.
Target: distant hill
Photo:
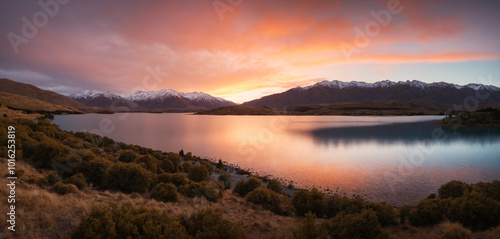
(337, 91)
(370, 107)
(165, 100)
(31, 105)
(31, 91)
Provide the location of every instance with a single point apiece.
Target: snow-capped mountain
(151, 100)
(102, 99)
(340, 91)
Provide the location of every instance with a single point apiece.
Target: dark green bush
(356, 225)
(208, 165)
(165, 192)
(275, 185)
(176, 161)
(192, 189)
(306, 201)
(220, 165)
(127, 156)
(116, 221)
(127, 178)
(78, 180)
(52, 178)
(242, 188)
(186, 166)
(94, 170)
(353, 205)
(46, 152)
(148, 162)
(475, 211)
(429, 212)
(453, 189)
(178, 179)
(212, 191)
(491, 190)
(386, 214)
(63, 189)
(207, 223)
(225, 178)
(309, 229)
(167, 166)
(198, 173)
(268, 199)
(333, 205)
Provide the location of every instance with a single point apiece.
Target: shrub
(113, 220)
(63, 189)
(52, 178)
(94, 170)
(149, 163)
(333, 205)
(452, 189)
(186, 166)
(275, 186)
(208, 165)
(356, 225)
(267, 199)
(428, 212)
(450, 230)
(310, 230)
(78, 180)
(220, 165)
(242, 188)
(207, 223)
(212, 191)
(127, 178)
(385, 213)
(165, 192)
(475, 211)
(167, 166)
(225, 178)
(198, 173)
(176, 161)
(46, 152)
(127, 156)
(352, 205)
(491, 190)
(192, 189)
(404, 212)
(306, 201)
(178, 179)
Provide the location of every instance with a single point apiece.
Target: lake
(396, 159)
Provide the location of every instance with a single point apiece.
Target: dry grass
(44, 214)
(41, 213)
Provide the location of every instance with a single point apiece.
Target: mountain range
(151, 100)
(325, 92)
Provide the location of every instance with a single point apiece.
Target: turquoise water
(397, 159)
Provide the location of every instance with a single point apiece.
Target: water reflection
(404, 133)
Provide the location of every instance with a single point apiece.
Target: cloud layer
(240, 51)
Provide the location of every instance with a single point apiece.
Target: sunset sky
(244, 49)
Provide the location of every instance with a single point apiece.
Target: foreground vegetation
(488, 117)
(82, 185)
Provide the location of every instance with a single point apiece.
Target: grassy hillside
(82, 185)
(370, 107)
(28, 90)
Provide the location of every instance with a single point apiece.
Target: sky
(244, 49)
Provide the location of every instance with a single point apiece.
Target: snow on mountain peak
(388, 83)
(87, 94)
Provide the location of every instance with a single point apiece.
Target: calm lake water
(397, 159)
